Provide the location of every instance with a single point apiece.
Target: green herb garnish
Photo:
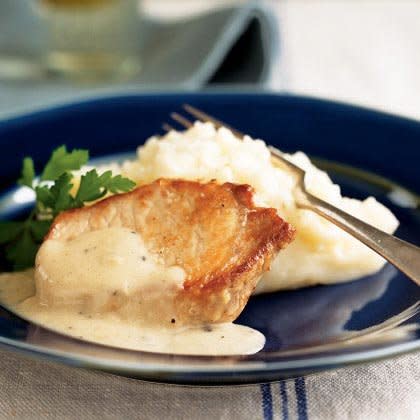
(20, 240)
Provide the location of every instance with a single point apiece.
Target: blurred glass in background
(82, 39)
(91, 38)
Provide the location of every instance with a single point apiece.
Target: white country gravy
(106, 287)
(103, 270)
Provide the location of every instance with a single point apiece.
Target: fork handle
(403, 255)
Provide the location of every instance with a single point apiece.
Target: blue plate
(307, 330)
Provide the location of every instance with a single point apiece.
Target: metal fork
(403, 255)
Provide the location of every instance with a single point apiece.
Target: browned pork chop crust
(214, 232)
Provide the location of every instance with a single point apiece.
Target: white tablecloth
(32, 389)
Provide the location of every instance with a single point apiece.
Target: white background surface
(366, 52)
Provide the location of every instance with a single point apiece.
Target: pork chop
(214, 232)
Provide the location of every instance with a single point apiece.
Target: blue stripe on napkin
(283, 395)
(267, 401)
(302, 408)
(301, 400)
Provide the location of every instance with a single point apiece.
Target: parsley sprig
(20, 240)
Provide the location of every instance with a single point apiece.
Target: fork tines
(200, 116)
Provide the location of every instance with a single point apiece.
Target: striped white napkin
(32, 389)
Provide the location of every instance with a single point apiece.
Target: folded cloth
(229, 46)
(32, 389)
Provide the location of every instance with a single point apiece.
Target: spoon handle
(403, 255)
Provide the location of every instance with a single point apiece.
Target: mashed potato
(321, 253)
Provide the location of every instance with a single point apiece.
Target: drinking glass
(91, 39)
(83, 39)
